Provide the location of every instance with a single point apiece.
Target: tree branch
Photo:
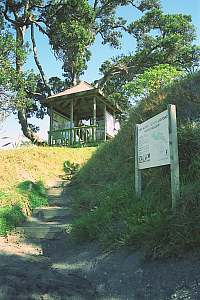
(33, 93)
(40, 6)
(7, 17)
(40, 28)
(37, 60)
(95, 4)
(26, 7)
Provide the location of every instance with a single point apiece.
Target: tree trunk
(34, 138)
(37, 60)
(22, 116)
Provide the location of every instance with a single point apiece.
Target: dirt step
(49, 213)
(37, 229)
(57, 183)
(58, 201)
(54, 191)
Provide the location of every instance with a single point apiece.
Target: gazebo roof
(83, 90)
(81, 87)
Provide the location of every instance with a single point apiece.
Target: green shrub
(35, 193)
(10, 216)
(29, 195)
(70, 168)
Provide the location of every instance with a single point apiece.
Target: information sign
(153, 142)
(156, 145)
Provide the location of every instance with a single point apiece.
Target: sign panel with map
(153, 142)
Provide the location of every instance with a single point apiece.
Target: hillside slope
(104, 196)
(37, 163)
(25, 172)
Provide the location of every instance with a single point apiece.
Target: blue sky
(100, 53)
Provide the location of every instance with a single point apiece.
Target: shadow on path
(82, 271)
(33, 279)
(124, 275)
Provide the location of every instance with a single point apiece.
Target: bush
(29, 196)
(70, 168)
(10, 216)
(35, 192)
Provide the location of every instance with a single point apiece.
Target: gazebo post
(71, 121)
(105, 124)
(94, 118)
(50, 126)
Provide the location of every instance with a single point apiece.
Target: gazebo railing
(71, 136)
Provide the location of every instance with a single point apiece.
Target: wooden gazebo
(81, 115)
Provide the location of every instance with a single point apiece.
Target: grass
(104, 198)
(23, 176)
(28, 195)
(10, 216)
(35, 163)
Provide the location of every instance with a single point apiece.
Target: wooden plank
(50, 127)
(105, 123)
(138, 177)
(71, 120)
(174, 161)
(79, 135)
(74, 135)
(94, 118)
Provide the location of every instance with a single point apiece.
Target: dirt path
(60, 269)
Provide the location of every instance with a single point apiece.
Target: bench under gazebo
(81, 115)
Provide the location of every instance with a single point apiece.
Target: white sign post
(156, 145)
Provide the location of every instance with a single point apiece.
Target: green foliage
(35, 193)
(71, 168)
(166, 38)
(10, 216)
(56, 85)
(189, 141)
(102, 219)
(105, 201)
(16, 89)
(162, 39)
(30, 195)
(71, 27)
(70, 35)
(76, 24)
(152, 80)
(8, 75)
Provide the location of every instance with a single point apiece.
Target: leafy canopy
(152, 80)
(161, 39)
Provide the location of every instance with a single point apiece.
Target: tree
(74, 26)
(161, 39)
(70, 35)
(56, 85)
(18, 16)
(166, 38)
(152, 80)
(71, 27)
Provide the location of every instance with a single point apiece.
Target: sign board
(156, 145)
(153, 142)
